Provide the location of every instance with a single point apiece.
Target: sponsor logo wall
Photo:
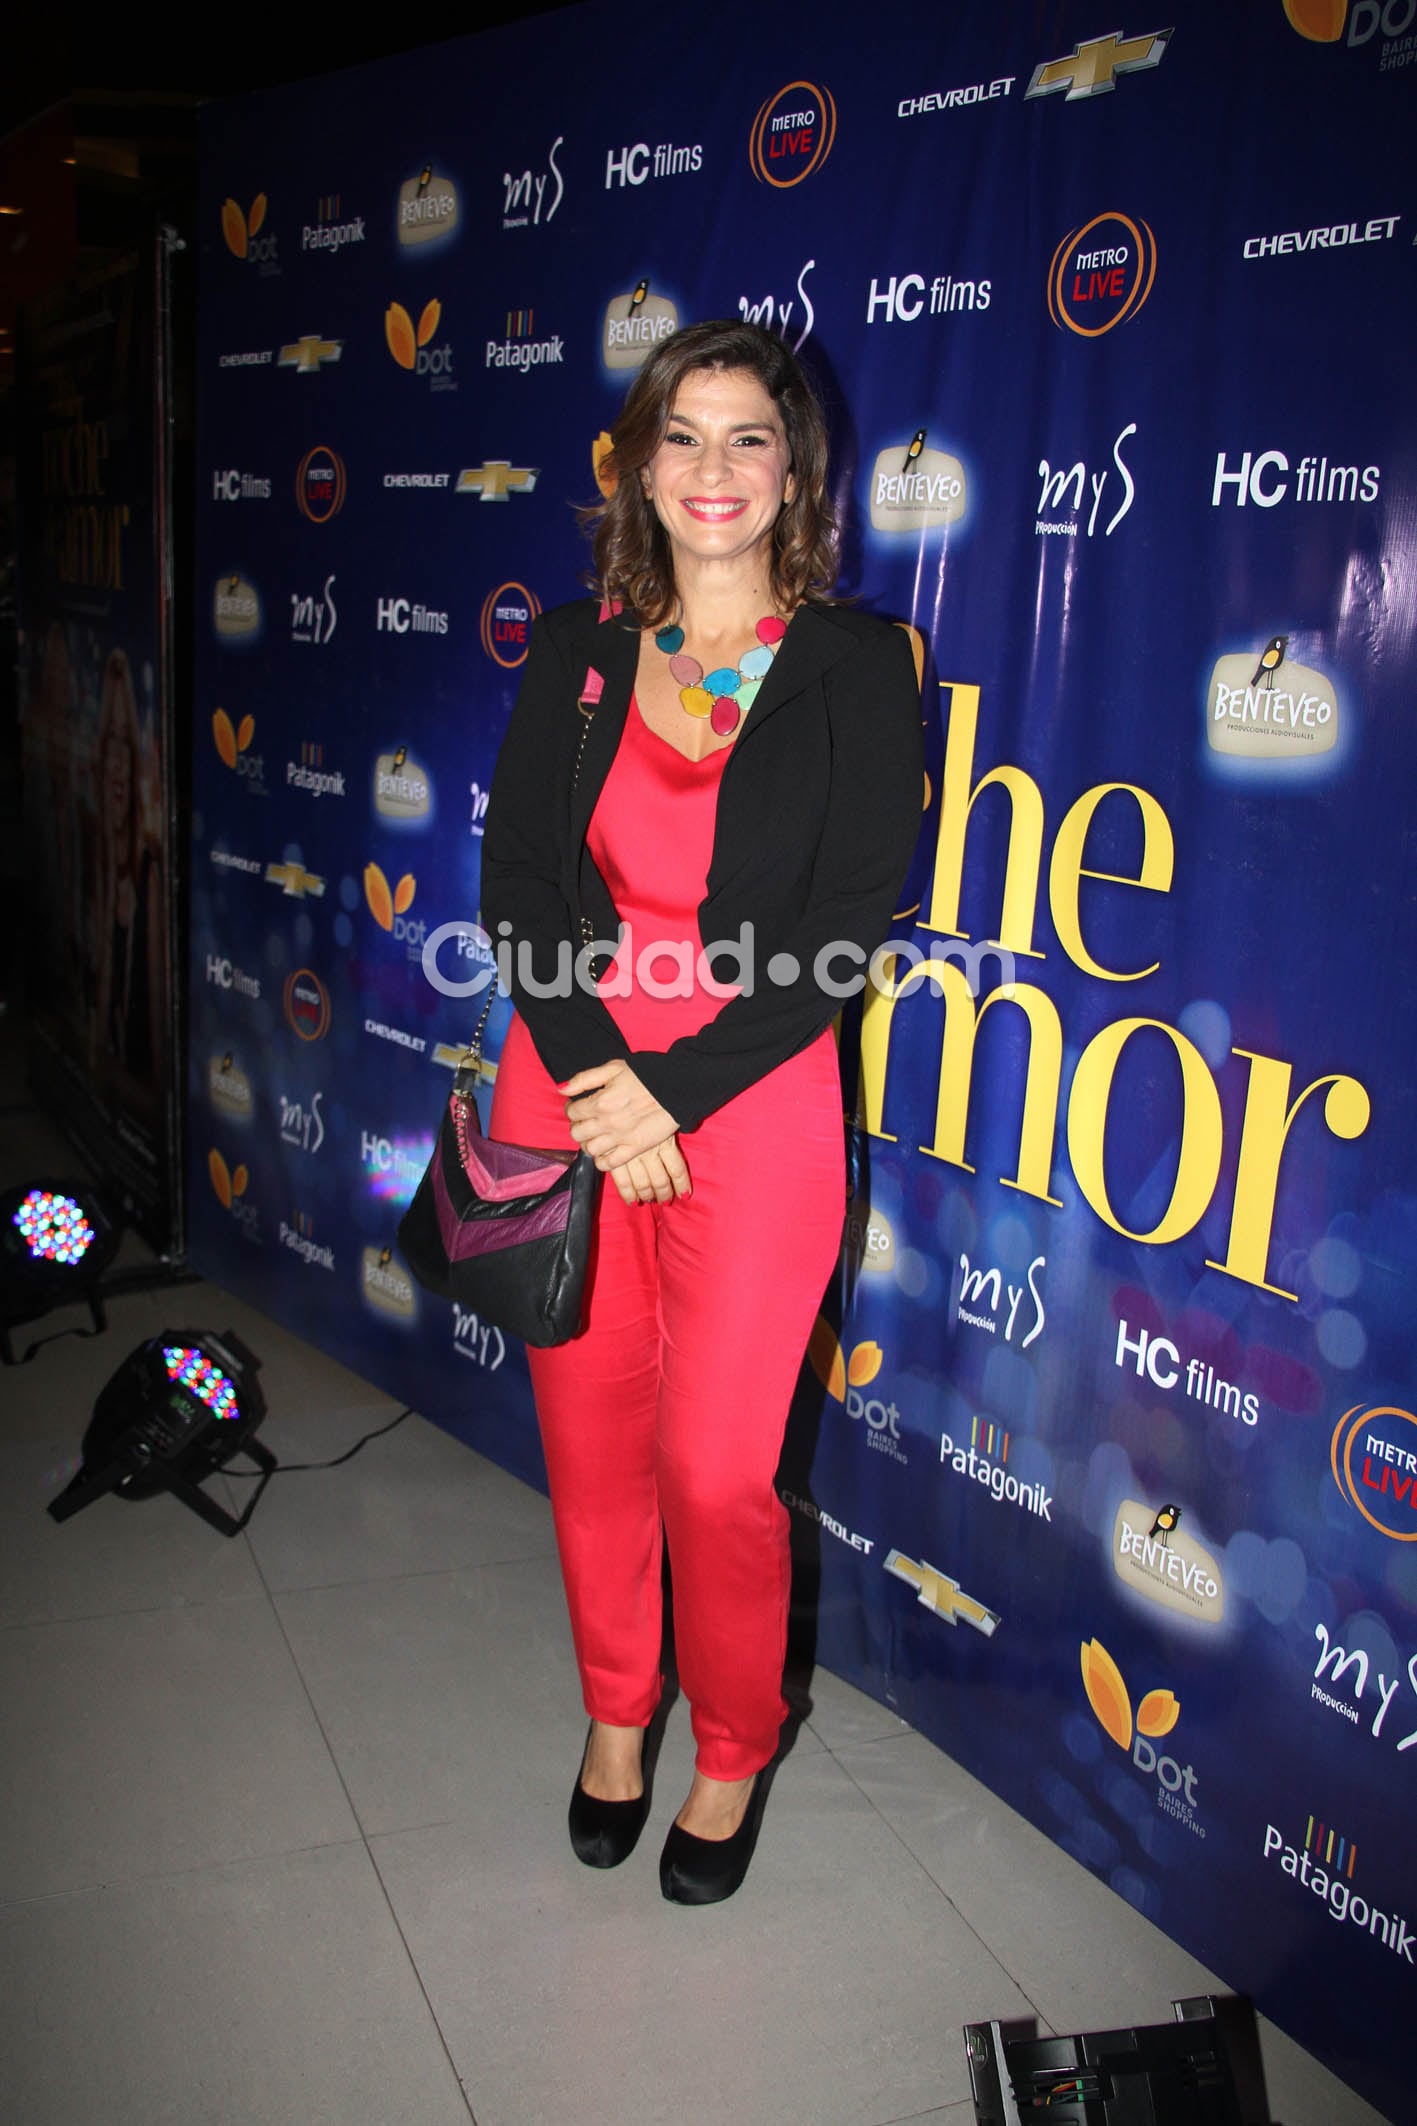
(1103, 1469)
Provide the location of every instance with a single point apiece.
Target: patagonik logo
(1373, 1456)
(792, 134)
(1154, 1555)
(242, 230)
(1264, 705)
(635, 322)
(1156, 1717)
(427, 212)
(409, 344)
(985, 1459)
(916, 488)
(1324, 1864)
(844, 1378)
(1101, 274)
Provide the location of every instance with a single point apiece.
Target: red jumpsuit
(669, 1409)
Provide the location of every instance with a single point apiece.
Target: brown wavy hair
(631, 552)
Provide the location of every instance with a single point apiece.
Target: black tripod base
(132, 1476)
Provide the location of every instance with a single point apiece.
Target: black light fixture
(178, 1408)
(56, 1241)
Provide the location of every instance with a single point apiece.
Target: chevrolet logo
(305, 355)
(452, 1058)
(496, 481)
(1091, 68)
(937, 1591)
(295, 881)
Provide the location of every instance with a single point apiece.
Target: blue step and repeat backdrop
(1104, 1471)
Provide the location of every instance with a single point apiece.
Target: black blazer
(817, 817)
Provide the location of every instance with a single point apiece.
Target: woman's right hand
(655, 1176)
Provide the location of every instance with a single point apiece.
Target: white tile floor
(282, 1824)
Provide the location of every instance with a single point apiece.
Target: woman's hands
(627, 1133)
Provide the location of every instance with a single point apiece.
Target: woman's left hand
(612, 1116)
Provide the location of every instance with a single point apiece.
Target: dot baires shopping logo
(1373, 1456)
(242, 232)
(1155, 1717)
(1101, 274)
(792, 134)
(844, 1378)
(409, 343)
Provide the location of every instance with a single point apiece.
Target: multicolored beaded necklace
(727, 693)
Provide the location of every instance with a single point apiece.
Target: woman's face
(720, 477)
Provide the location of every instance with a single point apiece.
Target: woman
(749, 780)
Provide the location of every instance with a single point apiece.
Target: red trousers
(668, 1411)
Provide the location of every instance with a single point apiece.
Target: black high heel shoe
(603, 1833)
(703, 1871)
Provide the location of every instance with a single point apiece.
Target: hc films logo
(409, 344)
(1091, 68)
(1154, 1556)
(507, 614)
(403, 791)
(1324, 1865)
(1156, 1716)
(1383, 1487)
(944, 1597)
(320, 484)
(236, 610)
(1101, 274)
(844, 1378)
(427, 212)
(1262, 705)
(242, 232)
(306, 1003)
(634, 325)
(915, 488)
(792, 135)
(386, 1287)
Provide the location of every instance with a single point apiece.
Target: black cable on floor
(286, 1468)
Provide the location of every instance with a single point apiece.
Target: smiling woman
(713, 1108)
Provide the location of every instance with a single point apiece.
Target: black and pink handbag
(505, 1229)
